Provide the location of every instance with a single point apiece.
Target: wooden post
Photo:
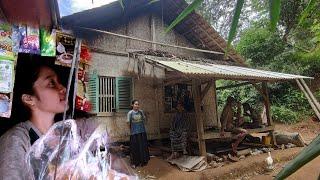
(196, 89)
(267, 105)
(215, 104)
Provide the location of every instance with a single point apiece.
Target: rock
(286, 137)
(242, 157)
(233, 158)
(265, 150)
(290, 145)
(213, 157)
(244, 152)
(151, 177)
(256, 152)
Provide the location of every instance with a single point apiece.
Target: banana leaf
(274, 12)
(191, 7)
(307, 10)
(235, 20)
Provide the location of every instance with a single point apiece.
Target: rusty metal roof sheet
(222, 71)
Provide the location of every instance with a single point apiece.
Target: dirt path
(310, 171)
(249, 167)
(252, 167)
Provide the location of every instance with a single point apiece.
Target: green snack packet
(48, 42)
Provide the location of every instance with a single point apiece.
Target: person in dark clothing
(179, 132)
(139, 152)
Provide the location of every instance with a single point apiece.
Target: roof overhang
(205, 70)
(30, 12)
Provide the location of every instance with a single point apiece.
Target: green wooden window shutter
(123, 93)
(93, 91)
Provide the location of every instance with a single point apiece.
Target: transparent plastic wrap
(75, 158)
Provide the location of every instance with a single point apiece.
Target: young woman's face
(136, 105)
(50, 94)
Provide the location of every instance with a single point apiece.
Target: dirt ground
(252, 167)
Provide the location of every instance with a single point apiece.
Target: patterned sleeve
(12, 159)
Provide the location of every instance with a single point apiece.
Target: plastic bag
(75, 159)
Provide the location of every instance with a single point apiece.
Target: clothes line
(152, 42)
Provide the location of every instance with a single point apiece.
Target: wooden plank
(196, 89)
(216, 135)
(206, 89)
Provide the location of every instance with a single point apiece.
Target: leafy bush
(284, 115)
(260, 46)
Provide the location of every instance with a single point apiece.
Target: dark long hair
(27, 72)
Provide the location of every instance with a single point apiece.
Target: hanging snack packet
(16, 37)
(65, 48)
(6, 41)
(29, 42)
(5, 105)
(48, 42)
(6, 78)
(85, 55)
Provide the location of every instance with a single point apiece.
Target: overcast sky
(68, 7)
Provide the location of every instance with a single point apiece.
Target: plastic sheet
(76, 158)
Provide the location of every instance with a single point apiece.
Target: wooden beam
(206, 89)
(175, 81)
(267, 102)
(216, 135)
(268, 108)
(307, 89)
(234, 85)
(313, 106)
(196, 89)
(215, 105)
(260, 90)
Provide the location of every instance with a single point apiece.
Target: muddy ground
(252, 167)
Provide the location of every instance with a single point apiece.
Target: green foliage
(274, 6)
(242, 94)
(289, 105)
(260, 46)
(284, 114)
(310, 60)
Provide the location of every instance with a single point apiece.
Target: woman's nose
(62, 89)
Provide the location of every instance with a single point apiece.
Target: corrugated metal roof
(223, 71)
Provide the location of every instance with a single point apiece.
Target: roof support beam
(206, 89)
(151, 42)
(234, 85)
(196, 90)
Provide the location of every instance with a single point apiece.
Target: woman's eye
(52, 83)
